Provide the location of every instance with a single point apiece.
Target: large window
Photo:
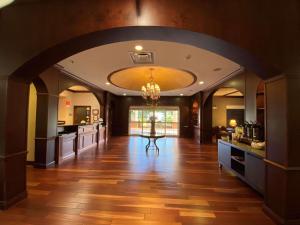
(166, 120)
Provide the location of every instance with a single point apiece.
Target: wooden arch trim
(51, 56)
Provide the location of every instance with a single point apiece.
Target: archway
(44, 60)
(228, 111)
(71, 99)
(51, 56)
(275, 40)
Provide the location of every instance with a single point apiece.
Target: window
(166, 120)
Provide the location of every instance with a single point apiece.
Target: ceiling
(97, 64)
(228, 92)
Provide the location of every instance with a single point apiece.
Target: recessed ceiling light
(138, 47)
(5, 3)
(188, 57)
(107, 83)
(201, 82)
(124, 94)
(181, 94)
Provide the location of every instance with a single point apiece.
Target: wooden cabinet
(65, 146)
(255, 172)
(224, 155)
(73, 139)
(87, 137)
(247, 163)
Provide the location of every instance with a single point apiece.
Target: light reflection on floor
(164, 162)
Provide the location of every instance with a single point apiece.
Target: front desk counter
(74, 139)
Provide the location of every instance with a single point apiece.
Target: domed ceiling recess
(168, 78)
(179, 69)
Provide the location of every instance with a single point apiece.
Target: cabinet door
(255, 172)
(224, 154)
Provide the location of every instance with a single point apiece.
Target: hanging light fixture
(151, 91)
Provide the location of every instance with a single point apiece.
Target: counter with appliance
(244, 161)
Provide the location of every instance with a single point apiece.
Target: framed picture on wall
(82, 113)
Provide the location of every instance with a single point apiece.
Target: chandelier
(151, 91)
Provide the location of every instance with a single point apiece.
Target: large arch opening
(78, 105)
(33, 68)
(268, 35)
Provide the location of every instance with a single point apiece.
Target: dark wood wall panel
(268, 41)
(283, 156)
(293, 116)
(276, 116)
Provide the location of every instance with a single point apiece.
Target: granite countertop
(247, 148)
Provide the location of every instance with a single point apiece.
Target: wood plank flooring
(119, 184)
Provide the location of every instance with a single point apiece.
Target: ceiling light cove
(167, 78)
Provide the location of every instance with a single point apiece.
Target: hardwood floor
(122, 185)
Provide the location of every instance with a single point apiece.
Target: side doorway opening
(31, 124)
(228, 111)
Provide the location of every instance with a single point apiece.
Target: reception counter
(87, 137)
(197, 134)
(74, 139)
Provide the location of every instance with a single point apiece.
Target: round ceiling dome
(167, 78)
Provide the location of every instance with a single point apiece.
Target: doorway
(166, 120)
(31, 124)
(228, 111)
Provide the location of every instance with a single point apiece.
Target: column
(46, 129)
(282, 194)
(13, 129)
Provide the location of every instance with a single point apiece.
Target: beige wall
(220, 104)
(31, 123)
(77, 99)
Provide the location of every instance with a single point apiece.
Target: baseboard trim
(30, 163)
(6, 204)
(44, 166)
(278, 219)
(92, 146)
